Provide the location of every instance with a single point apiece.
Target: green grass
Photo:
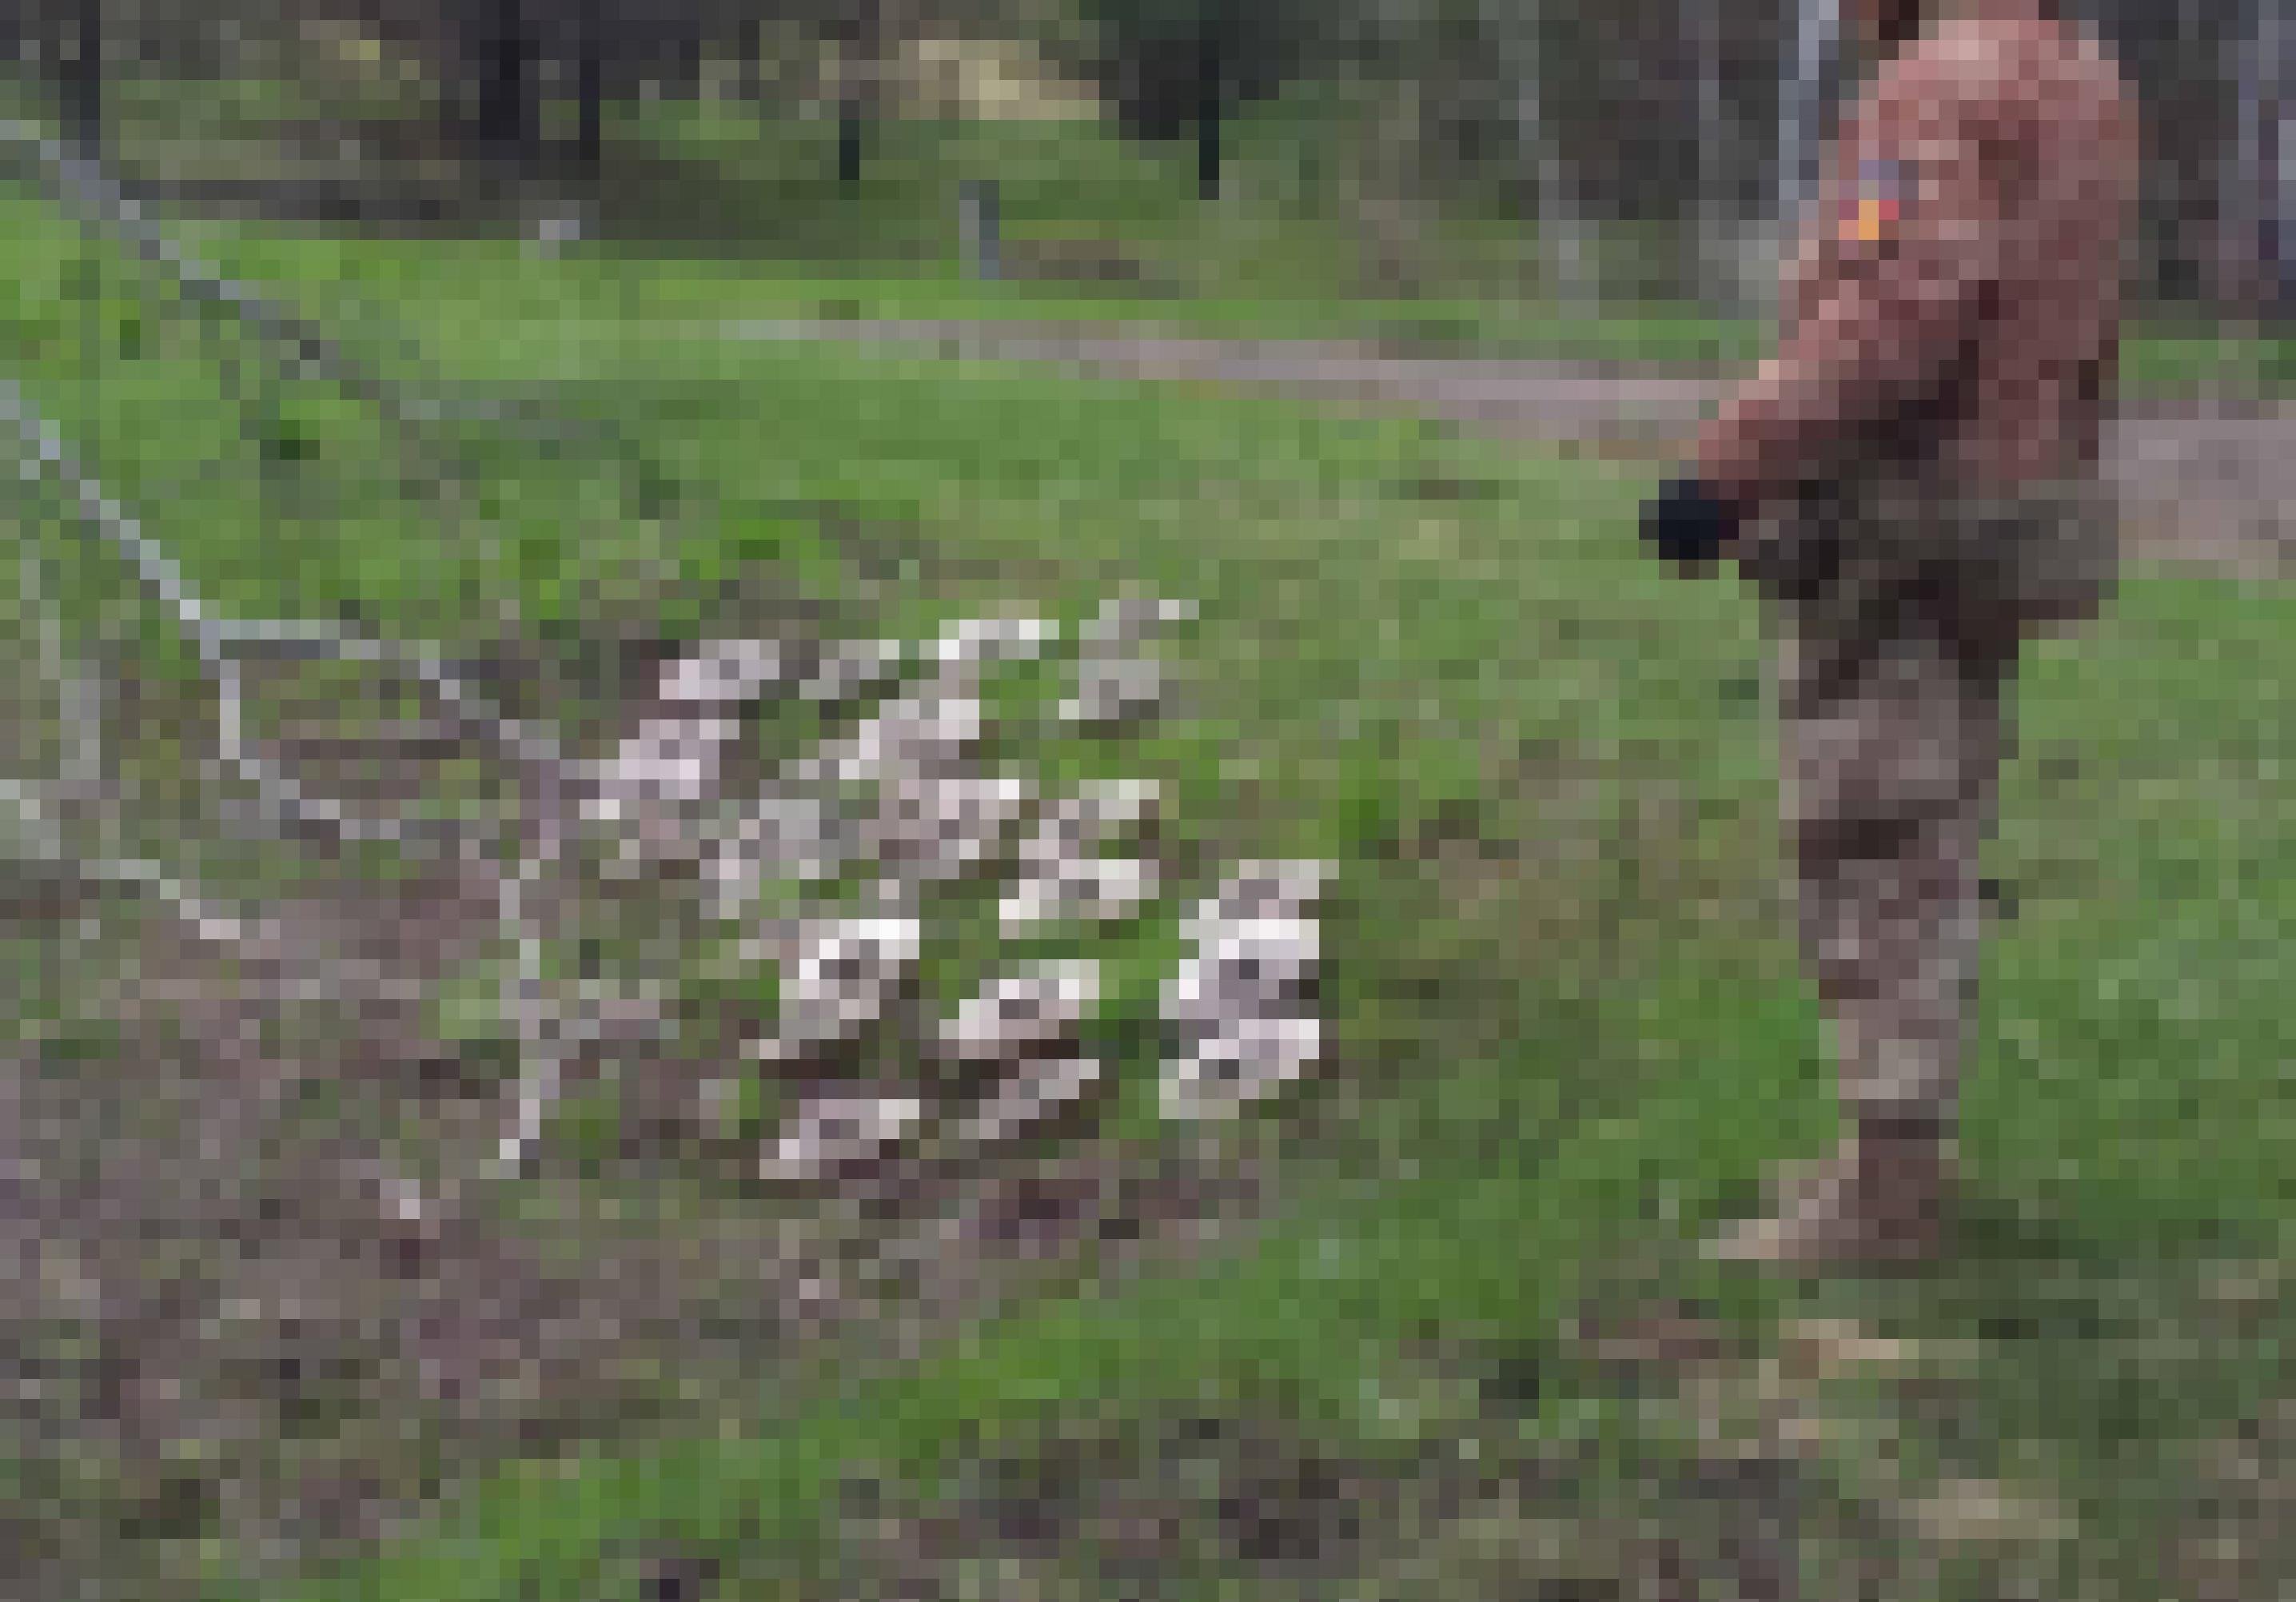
(1279, 257)
(1297, 1325)
(1521, 1073)
(289, 500)
(1517, 1077)
(1506, 1176)
(453, 289)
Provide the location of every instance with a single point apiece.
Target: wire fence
(1236, 1010)
(224, 645)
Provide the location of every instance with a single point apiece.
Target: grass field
(1535, 1050)
(712, 211)
(489, 282)
(1567, 1031)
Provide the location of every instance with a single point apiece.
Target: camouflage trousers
(1901, 615)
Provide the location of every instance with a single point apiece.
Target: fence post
(977, 220)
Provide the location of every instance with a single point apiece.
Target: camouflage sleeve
(1915, 236)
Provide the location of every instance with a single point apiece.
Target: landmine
(903, 791)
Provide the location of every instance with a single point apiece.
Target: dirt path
(2202, 481)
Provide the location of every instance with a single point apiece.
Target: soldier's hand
(1689, 524)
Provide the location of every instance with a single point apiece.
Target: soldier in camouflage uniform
(1910, 484)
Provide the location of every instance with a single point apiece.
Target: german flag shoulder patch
(1877, 203)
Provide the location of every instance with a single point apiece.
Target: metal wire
(97, 201)
(223, 645)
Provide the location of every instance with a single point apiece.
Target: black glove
(1688, 525)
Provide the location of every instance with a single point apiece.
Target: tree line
(1629, 108)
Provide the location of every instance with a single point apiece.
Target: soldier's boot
(1879, 1203)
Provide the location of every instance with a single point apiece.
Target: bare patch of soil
(261, 1295)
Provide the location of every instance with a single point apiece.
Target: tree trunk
(2276, 235)
(1802, 102)
(857, 95)
(83, 78)
(1211, 107)
(753, 59)
(848, 139)
(1716, 281)
(589, 91)
(2241, 185)
(693, 65)
(1562, 238)
(506, 120)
